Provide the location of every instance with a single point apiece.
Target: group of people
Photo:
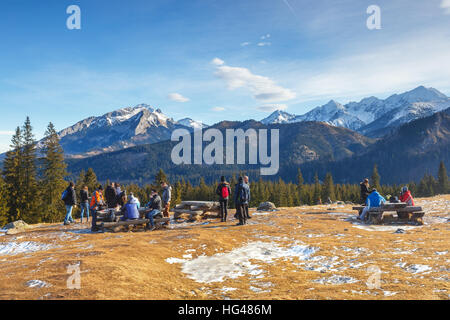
(114, 198)
(241, 199)
(371, 198)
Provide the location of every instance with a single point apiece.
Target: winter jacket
(166, 196)
(364, 191)
(219, 190)
(155, 203)
(130, 211)
(407, 197)
(375, 200)
(84, 196)
(111, 197)
(97, 200)
(242, 193)
(71, 197)
(135, 201)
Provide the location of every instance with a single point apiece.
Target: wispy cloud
(244, 44)
(264, 44)
(445, 4)
(6, 133)
(263, 88)
(266, 36)
(217, 62)
(218, 109)
(272, 107)
(177, 97)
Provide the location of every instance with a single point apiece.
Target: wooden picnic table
(384, 213)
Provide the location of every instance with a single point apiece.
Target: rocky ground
(319, 252)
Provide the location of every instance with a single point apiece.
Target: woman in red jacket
(406, 196)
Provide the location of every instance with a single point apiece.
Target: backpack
(110, 216)
(64, 195)
(224, 192)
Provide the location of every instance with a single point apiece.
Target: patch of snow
(382, 227)
(37, 284)
(389, 293)
(336, 279)
(440, 253)
(14, 248)
(237, 263)
(416, 268)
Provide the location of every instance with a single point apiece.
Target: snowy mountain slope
(373, 116)
(120, 129)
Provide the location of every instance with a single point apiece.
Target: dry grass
(133, 265)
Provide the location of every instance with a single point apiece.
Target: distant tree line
(32, 182)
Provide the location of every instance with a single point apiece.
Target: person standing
(240, 199)
(110, 195)
(224, 192)
(246, 181)
(166, 198)
(97, 202)
(70, 199)
(155, 206)
(84, 203)
(364, 190)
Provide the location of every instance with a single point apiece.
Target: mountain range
(371, 116)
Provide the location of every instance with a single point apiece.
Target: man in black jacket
(111, 196)
(364, 190)
(241, 194)
(246, 181)
(70, 199)
(156, 206)
(84, 203)
(224, 192)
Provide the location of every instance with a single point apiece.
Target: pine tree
(161, 177)
(376, 178)
(317, 190)
(29, 207)
(54, 172)
(328, 188)
(4, 212)
(443, 184)
(12, 171)
(90, 180)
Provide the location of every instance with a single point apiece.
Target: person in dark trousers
(365, 191)
(246, 181)
(111, 196)
(241, 194)
(70, 200)
(97, 203)
(156, 207)
(166, 197)
(130, 210)
(84, 203)
(224, 192)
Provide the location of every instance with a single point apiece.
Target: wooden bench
(404, 213)
(137, 222)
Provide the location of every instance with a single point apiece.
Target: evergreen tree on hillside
(443, 184)
(12, 172)
(317, 190)
(54, 172)
(328, 188)
(161, 177)
(300, 180)
(376, 178)
(4, 212)
(29, 207)
(90, 180)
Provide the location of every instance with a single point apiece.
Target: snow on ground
(14, 248)
(335, 279)
(236, 263)
(37, 284)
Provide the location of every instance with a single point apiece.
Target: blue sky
(212, 59)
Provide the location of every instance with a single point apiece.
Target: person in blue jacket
(374, 200)
(130, 210)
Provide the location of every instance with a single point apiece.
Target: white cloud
(263, 88)
(445, 4)
(244, 44)
(267, 36)
(272, 107)
(218, 109)
(6, 133)
(177, 97)
(264, 44)
(217, 62)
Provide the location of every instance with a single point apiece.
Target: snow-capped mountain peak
(188, 122)
(278, 116)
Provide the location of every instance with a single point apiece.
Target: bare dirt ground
(318, 252)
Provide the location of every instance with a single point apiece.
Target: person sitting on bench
(406, 197)
(130, 209)
(155, 205)
(374, 200)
